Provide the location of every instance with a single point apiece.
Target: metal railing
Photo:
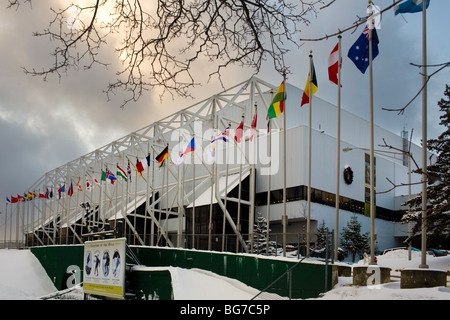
(286, 279)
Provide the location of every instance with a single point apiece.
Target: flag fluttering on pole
(121, 173)
(129, 170)
(278, 101)
(254, 122)
(163, 156)
(61, 190)
(70, 191)
(108, 175)
(239, 131)
(188, 148)
(410, 6)
(139, 167)
(314, 86)
(223, 136)
(359, 51)
(79, 185)
(333, 65)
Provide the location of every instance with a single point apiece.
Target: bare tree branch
(163, 39)
(356, 24)
(442, 67)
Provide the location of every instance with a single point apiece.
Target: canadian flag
(333, 65)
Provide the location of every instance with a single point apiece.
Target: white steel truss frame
(50, 221)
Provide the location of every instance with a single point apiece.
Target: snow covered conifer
(438, 189)
(352, 239)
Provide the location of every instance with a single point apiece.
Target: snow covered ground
(22, 278)
(395, 260)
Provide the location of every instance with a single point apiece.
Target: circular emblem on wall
(348, 175)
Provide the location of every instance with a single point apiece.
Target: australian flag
(359, 51)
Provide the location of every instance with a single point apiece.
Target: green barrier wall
(151, 285)
(308, 279)
(56, 261)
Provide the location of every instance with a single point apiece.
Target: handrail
(279, 278)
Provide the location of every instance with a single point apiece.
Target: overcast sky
(44, 125)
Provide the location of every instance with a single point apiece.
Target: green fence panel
(308, 279)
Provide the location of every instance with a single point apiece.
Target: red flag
(14, 200)
(253, 127)
(239, 131)
(333, 65)
(139, 167)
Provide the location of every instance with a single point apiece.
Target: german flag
(163, 156)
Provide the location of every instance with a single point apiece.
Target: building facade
(209, 197)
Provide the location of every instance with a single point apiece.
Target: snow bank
(396, 260)
(22, 277)
(197, 284)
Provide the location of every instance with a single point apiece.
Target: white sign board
(104, 267)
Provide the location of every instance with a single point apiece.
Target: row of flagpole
(310, 90)
(362, 62)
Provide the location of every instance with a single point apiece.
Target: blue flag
(359, 51)
(410, 6)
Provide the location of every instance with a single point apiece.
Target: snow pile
(197, 284)
(396, 260)
(22, 277)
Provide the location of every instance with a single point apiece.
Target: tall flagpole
(338, 154)
(371, 166)
(284, 170)
(268, 184)
(308, 214)
(423, 263)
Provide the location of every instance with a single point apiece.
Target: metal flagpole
(268, 184)
(6, 221)
(371, 166)
(338, 154)
(146, 194)
(423, 263)
(284, 171)
(193, 199)
(135, 204)
(213, 177)
(10, 222)
(152, 232)
(226, 198)
(308, 213)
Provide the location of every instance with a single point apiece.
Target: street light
(372, 222)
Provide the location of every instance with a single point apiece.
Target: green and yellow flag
(277, 105)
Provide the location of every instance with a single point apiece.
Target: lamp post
(372, 222)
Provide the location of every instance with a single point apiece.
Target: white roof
(233, 181)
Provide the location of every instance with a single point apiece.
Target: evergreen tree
(260, 237)
(438, 189)
(353, 240)
(322, 232)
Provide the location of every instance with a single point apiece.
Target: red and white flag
(239, 131)
(333, 65)
(253, 127)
